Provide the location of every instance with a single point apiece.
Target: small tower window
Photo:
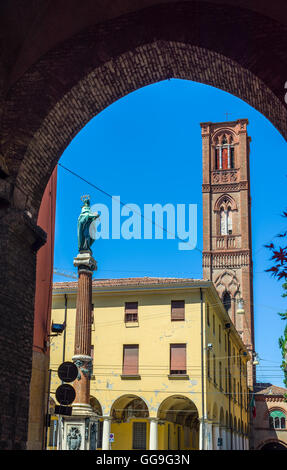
(226, 300)
(223, 225)
(232, 164)
(225, 221)
(229, 221)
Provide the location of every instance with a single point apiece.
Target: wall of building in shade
(156, 385)
(42, 318)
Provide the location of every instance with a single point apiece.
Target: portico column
(234, 443)
(201, 435)
(205, 435)
(153, 434)
(228, 439)
(224, 439)
(246, 443)
(106, 432)
(216, 436)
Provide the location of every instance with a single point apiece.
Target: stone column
(205, 434)
(224, 439)
(82, 350)
(246, 443)
(228, 439)
(215, 435)
(234, 441)
(106, 433)
(153, 434)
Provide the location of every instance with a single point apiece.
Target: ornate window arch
(225, 206)
(277, 419)
(224, 153)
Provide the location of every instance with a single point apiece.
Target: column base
(82, 409)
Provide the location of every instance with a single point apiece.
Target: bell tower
(227, 251)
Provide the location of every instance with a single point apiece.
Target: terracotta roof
(269, 390)
(129, 281)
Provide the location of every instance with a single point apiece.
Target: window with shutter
(177, 359)
(130, 359)
(131, 312)
(177, 310)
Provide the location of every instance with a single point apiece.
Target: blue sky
(146, 148)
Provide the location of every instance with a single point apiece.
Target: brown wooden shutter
(224, 159)
(131, 311)
(130, 359)
(178, 358)
(177, 310)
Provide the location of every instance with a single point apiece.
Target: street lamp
(240, 307)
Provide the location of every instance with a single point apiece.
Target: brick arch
(269, 441)
(216, 138)
(83, 75)
(221, 202)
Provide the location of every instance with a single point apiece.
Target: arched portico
(96, 406)
(57, 84)
(178, 416)
(129, 421)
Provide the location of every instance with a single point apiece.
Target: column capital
(84, 261)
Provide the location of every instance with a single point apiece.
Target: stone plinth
(79, 433)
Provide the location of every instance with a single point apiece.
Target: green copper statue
(85, 219)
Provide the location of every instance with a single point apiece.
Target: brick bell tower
(227, 254)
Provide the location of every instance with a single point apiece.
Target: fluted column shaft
(83, 315)
(82, 350)
(83, 328)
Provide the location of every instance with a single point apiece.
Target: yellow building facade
(169, 368)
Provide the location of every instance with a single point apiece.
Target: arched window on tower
(224, 156)
(232, 161)
(229, 221)
(225, 221)
(226, 300)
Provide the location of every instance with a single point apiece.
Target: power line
(124, 204)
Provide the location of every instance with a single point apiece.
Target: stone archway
(50, 93)
(179, 416)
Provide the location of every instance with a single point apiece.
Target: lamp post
(240, 307)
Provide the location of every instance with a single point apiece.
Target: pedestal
(78, 433)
